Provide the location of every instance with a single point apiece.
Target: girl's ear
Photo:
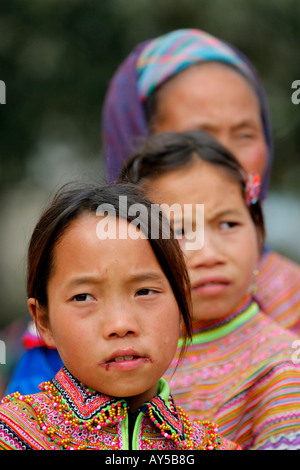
(40, 317)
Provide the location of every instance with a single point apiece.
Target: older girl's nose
(209, 255)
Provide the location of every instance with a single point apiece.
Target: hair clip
(252, 190)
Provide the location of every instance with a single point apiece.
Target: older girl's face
(111, 313)
(216, 99)
(222, 270)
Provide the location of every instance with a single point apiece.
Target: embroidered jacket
(243, 373)
(278, 290)
(67, 415)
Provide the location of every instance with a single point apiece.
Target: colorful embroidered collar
(86, 404)
(210, 331)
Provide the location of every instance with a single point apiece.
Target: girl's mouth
(125, 362)
(123, 358)
(211, 286)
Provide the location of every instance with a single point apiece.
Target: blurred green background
(56, 59)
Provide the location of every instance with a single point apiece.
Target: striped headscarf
(124, 123)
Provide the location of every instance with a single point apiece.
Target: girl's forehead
(202, 189)
(199, 179)
(88, 249)
(101, 225)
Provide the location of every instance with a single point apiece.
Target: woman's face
(216, 99)
(112, 314)
(221, 271)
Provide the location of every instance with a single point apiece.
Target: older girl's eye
(228, 225)
(83, 298)
(145, 292)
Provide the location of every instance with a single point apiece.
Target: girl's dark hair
(162, 153)
(73, 200)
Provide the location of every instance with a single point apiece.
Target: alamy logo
(296, 354)
(2, 353)
(296, 94)
(188, 219)
(2, 92)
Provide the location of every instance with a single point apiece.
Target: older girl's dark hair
(74, 200)
(159, 154)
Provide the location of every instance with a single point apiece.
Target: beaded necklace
(108, 417)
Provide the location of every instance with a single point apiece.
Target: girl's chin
(209, 315)
(206, 309)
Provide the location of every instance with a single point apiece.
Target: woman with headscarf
(186, 80)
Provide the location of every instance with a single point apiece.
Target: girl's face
(216, 99)
(112, 314)
(221, 271)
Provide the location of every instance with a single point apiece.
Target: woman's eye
(246, 136)
(83, 298)
(145, 292)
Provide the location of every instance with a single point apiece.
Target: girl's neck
(241, 307)
(136, 401)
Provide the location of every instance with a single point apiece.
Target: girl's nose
(120, 322)
(210, 255)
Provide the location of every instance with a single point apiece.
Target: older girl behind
(238, 369)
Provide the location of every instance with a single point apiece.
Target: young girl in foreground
(111, 301)
(238, 370)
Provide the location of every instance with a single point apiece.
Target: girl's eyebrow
(146, 276)
(214, 215)
(225, 213)
(84, 280)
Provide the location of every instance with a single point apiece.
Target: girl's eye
(83, 298)
(145, 292)
(179, 233)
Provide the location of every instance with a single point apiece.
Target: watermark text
(187, 221)
(2, 92)
(2, 353)
(296, 354)
(296, 94)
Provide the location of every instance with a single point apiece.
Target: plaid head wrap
(151, 63)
